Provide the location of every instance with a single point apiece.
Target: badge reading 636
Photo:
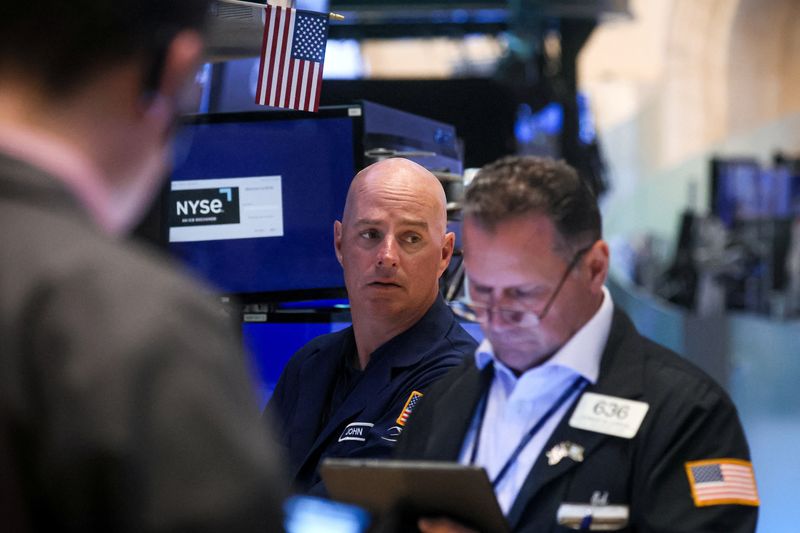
(610, 415)
(611, 409)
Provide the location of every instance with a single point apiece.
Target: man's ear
(173, 70)
(597, 261)
(337, 240)
(448, 244)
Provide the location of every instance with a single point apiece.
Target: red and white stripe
(283, 81)
(738, 484)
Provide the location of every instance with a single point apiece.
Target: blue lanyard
(579, 383)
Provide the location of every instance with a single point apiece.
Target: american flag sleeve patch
(722, 481)
(408, 408)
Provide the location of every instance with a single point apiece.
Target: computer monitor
(735, 193)
(272, 342)
(253, 197)
(742, 191)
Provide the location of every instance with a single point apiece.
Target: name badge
(609, 415)
(356, 431)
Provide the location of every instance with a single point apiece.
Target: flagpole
(332, 16)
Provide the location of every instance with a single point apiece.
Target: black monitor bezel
(353, 112)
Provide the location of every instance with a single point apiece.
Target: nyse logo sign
(198, 207)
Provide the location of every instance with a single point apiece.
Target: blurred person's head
(392, 241)
(106, 78)
(534, 256)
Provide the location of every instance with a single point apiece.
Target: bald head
(393, 247)
(402, 180)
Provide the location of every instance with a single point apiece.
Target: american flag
(720, 481)
(408, 408)
(292, 55)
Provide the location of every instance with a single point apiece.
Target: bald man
(350, 393)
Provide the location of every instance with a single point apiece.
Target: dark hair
(519, 185)
(58, 44)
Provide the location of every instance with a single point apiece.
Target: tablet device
(426, 488)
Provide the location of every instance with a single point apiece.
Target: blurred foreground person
(124, 403)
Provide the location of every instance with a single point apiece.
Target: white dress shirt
(515, 404)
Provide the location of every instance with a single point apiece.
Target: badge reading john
(610, 415)
(356, 431)
(408, 408)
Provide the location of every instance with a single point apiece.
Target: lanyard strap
(576, 385)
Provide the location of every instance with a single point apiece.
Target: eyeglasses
(480, 312)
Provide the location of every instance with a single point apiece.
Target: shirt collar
(410, 346)
(581, 353)
(64, 163)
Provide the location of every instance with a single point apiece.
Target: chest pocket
(601, 483)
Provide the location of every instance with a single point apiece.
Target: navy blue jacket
(690, 418)
(365, 424)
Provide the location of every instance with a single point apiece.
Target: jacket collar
(28, 184)
(405, 349)
(45, 156)
(621, 374)
(411, 346)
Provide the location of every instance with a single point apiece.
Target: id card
(609, 415)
